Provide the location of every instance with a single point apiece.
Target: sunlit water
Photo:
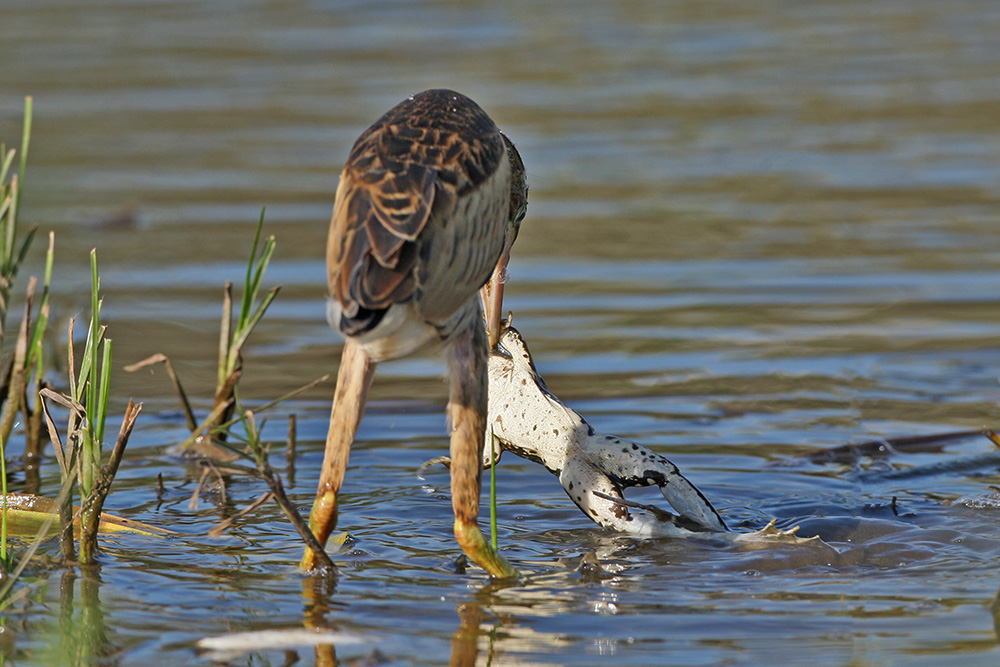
(756, 230)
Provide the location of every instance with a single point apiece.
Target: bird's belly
(404, 330)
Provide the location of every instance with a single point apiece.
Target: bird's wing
(371, 257)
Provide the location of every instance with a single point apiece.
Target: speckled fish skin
(419, 223)
(529, 421)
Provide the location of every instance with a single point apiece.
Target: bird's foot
(475, 546)
(322, 521)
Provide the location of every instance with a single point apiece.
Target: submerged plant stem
(94, 505)
(264, 469)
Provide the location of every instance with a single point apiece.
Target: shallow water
(755, 231)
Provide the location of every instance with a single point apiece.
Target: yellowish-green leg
(467, 416)
(353, 380)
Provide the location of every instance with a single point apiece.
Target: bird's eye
(521, 212)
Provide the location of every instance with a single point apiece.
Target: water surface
(755, 231)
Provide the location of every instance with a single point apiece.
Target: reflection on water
(756, 230)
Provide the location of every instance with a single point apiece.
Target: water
(755, 231)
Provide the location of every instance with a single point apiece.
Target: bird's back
(420, 214)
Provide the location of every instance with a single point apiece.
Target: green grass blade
(248, 296)
(85, 463)
(10, 265)
(74, 390)
(103, 395)
(244, 333)
(22, 253)
(80, 386)
(35, 350)
(5, 162)
(493, 493)
(26, 134)
(10, 229)
(93, 344)
(225, 337)
(261, 267)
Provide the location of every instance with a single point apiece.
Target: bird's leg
(467, 415)
(353, 380)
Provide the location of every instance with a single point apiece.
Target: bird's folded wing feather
(398, 176)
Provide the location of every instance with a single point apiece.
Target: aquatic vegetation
(80, 458)
(232, 340)
(29, 369)
(216, 437)
(12, 248)
(30, 515)
(27, 363)
(257, 451)
(27, 355)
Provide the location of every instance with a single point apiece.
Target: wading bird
(428, 206)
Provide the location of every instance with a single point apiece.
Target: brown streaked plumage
(427, 208)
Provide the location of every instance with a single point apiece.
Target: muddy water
(755, 231)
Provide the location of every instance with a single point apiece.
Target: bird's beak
(492, 292)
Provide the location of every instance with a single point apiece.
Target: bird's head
(492, 292)
(518, 191)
